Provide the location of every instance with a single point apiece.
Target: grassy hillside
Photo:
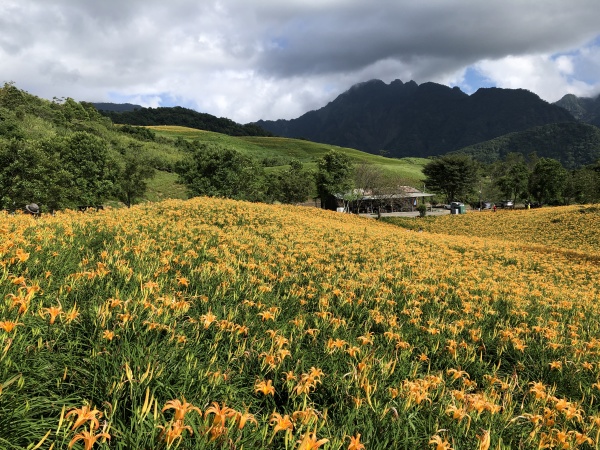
(220, 324)
(35, 122)
(277, 151)
(177, 115)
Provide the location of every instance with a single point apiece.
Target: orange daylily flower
(355, 443)
(242, 418)
(181, 408)
(290, 376)
(89, 439)
(53, 312)
(265, 386)
(310, 442)
(173, 431)
(85, 414)
(280, 422)
(440, 444)
(108, 335)
(556, 365)
(9, 325)
(72, 314)
(221, 414)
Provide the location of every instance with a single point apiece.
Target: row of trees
(516, 178)
(217, 171)
(221, 172)
(69, 171)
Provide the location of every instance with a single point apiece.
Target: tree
(25, 174)
(513, 185)
(58, 172)
(85, 168)
(583, 186)
(131, 183)
(334, 177)
(292, 185)
(455, 176)
(216, 171)
(547, 181)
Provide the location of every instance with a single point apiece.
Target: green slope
(277, 152)
(573, 144)
(35, 122)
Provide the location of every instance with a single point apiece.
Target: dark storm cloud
(455, 32)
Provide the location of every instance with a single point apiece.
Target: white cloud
(564, 64)
(549, 76)
(271, 59)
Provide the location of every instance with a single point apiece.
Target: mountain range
(411, 120)
(407, 119)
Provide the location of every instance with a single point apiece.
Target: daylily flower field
(220, 324)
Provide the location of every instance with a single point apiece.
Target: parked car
(453, 205)
(505, 204)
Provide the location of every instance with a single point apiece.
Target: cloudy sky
(276, 59)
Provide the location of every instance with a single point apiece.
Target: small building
(361, 201)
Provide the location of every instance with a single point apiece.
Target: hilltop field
(220, 324)
(277, 152)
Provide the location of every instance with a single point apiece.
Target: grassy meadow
(218, 324)
(282, 150)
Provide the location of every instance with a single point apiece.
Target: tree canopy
(512, 177)
(548, 181)
(135, 173)
(455, 176)
(64, 154)
(217, 171)
(334, 176)
(292, 185)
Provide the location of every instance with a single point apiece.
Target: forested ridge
(184, 117)
(573, 144)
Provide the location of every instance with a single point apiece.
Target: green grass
(164, 185)
(286, 149)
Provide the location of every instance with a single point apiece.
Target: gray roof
(404, 192)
